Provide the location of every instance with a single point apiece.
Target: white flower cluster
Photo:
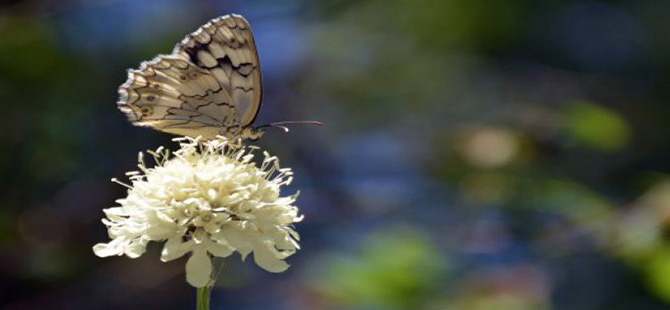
(208, 199)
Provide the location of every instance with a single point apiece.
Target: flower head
(207, 199)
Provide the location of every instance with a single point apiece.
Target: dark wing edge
(214, 46)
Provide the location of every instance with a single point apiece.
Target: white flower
(208, 199)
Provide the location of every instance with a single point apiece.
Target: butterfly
(209, 86)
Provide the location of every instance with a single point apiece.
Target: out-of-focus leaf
(658, 272)
(395, 268)
(596, 127)
(573, 200)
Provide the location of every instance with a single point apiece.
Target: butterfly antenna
(286, 129)
(280, 126)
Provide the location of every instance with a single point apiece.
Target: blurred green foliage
(476, 25)
(596, 127)
(658, 272)
(395, 268)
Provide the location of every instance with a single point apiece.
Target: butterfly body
(210, 85)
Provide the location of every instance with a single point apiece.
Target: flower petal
(107, 249)
(265, 258)
(236, 239)
(136, 248)
(174, 248)
(219, 250)
(199, 268)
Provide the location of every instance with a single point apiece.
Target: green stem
(203, 297)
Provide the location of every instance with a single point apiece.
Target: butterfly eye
(182, 77)
(151, 98)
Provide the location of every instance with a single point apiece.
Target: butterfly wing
(225, 46)
(209, 85)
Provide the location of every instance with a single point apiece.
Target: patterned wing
(225, 46)
(209, 85)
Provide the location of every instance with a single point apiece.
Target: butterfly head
(251, 133)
